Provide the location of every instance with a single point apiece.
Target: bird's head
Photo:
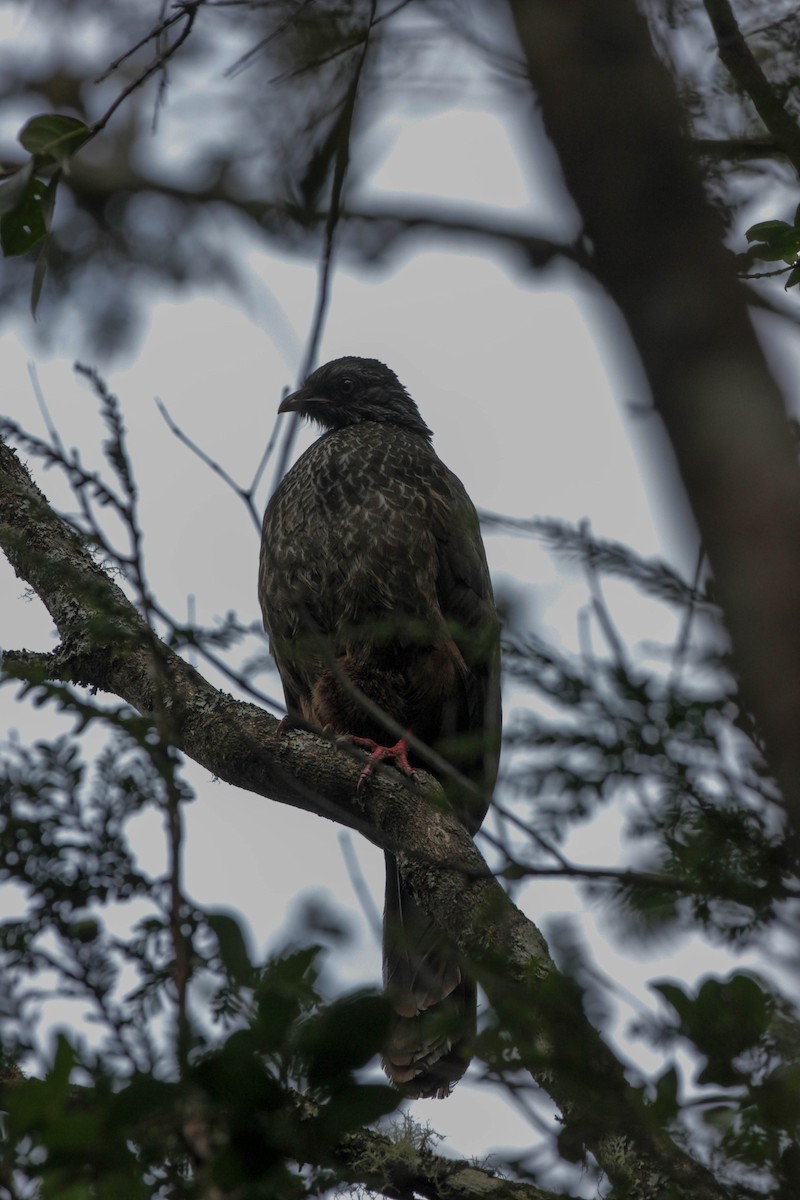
(349, 391)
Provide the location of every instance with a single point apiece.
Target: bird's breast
(348, 536)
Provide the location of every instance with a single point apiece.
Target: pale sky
(528, 387)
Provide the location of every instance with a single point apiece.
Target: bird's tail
(429, 1048)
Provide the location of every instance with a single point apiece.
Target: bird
(377, 600)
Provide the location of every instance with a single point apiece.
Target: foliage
(777, 241)
(211, 1067)
(288, 70)
(114, 1116)
(211, 1074)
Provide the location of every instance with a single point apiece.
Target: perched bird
(377, 600)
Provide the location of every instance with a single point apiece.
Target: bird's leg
(398, 754)
(295, 721)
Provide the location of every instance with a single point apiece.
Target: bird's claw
(398, 754)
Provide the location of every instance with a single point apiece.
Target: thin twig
(157, 29)
(181, 946)
(262, 466)
(438, 765)
(359, 884)
(748, 75)
(341, 164)
(244, 495)
(682, 644)
(245, 59)
(189, 10)
(599, 606)
(766, 274)
(49, 423)
(533, 833)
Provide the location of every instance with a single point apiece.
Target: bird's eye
(346, 387)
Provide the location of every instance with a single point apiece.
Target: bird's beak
(301, 402)
(291, 402)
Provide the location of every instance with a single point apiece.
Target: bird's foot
(294, 721)
(398, 754)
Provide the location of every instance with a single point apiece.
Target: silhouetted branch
(748, 75)
(186, 10)
(659, 252)
(237, 742)
(244, 494)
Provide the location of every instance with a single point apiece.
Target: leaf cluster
(232, 1120)
(777, 241)
(258, 1037)
(745, 1037)
(671, 747)
(28, 193)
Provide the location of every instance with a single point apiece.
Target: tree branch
(659, 251)
(398, 1163)
(106, 644)
(748, 76)
(372, 232)
(403, 1167)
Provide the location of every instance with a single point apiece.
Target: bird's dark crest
(351, 390)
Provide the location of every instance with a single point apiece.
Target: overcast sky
(535, 402)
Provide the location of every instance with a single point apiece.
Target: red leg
(398, 754)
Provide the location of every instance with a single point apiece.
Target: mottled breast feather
(372, 557)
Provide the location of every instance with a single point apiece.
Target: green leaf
(36, 1103)
(763, 230)
(14, 186)
(665, 1106)
(344, 1036)
(79, 1190)
(63, 1062)
(52, 136)
(776, 239)
(74, 1132)
(40, 270)
(236, 1075)
(142, 1097)
(720, 1116)
(725, 1018)
(793, 278)
(778, 1098)
(352, 1106)
(292, 976)
(675, 996)
(777, 252)
(732, 1015)
(29, 1104)
(26, 224)
(232, 946)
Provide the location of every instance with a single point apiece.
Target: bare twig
(748, 75)
(363, 894)
(159, 28)
(342, 161)
(187, 10)
(682, 644)
(244, 494)
(766, 274)
(599, 606)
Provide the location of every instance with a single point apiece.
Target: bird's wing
(466, 600)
